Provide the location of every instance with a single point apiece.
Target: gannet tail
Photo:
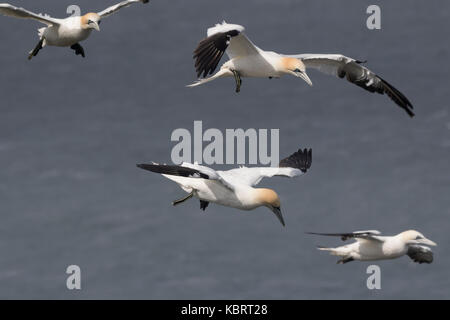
(333, 251)
(222, 73)
(340, 252)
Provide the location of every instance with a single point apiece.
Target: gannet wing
(294, 165)
(221, 38)
(187, 170)
(364, 235)
(12, 11)
(353, 70)
(113, 9)
(420, 254)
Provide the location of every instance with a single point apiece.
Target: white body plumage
(371, 245)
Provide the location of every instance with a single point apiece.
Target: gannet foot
(177, 202)
(345, 260)
(78, 49)
(35, 51)
(203, 205)
(238, 80)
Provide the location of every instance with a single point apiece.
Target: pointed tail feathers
(332, 251)
(222, 73)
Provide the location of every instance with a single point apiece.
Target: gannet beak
(277, 212)
(96, 26)
(427, 242)
(304, 76)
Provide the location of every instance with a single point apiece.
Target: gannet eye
(90, 21)
(99, 21)
(419, 237)
(298, 70)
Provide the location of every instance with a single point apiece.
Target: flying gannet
(370, 245)
(247, 60)
(66, 32)
(233, 188)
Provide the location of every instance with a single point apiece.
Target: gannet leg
(78, 49)
(238, 80)
(203, 205)
(35, 51)
(177, 202)
(345, 260)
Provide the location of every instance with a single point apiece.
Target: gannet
(247, 60)
(233, 188)
(371, 245)
(66, 32)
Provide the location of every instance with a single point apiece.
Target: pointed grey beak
(277, 212)
(304, 76)
(96, 26)
(427, 242)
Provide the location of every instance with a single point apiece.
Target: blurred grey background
(72, 130)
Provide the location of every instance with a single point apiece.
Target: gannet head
(91, 21)
(415, 237)
(295, 67)
(270, 199)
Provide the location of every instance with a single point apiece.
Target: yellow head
(91, 21)
(415, 237)
(270, 199)
(294, 67)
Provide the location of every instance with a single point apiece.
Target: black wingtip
(308, 160)
(302, 160)
(174, 170)
(410, 113)
(344, 236)
(320, 234)
(142, 166)
(210, 50)
(399, 98)
(145, 1)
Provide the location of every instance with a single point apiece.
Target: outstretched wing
(113, 9)
(12, 11)
(294, 165)
(420, 254)
(353, 70)
(366, 235)
(220, 39)
(187, 170)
